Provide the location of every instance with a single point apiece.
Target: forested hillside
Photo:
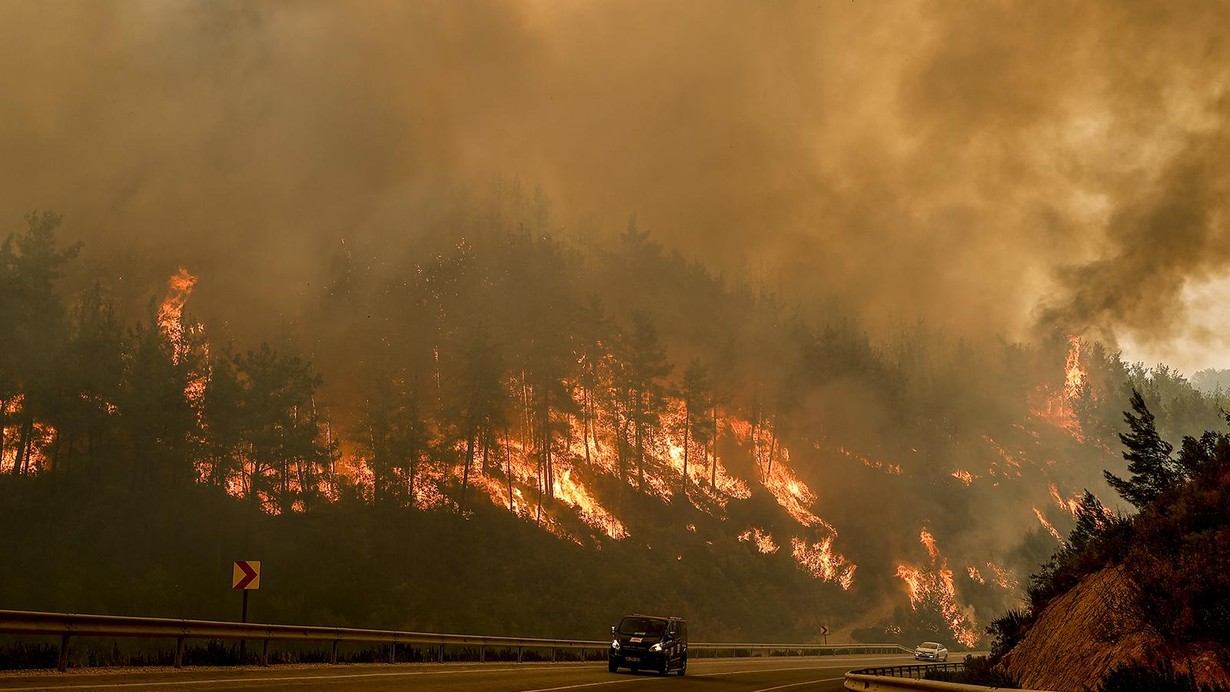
(504, 426)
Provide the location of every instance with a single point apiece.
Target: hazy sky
(988, 165)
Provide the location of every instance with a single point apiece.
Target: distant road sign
(246, 574)
(824, 629)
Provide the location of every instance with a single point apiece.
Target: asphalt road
(785, 674)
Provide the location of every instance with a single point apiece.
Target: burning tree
(33, 317)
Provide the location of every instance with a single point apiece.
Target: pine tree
(1148, 455)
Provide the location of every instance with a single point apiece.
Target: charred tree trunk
(21, 461)
(772, 454)
(509, 472)
(465, 473)
(687, 429)
(621, 445)
(587, 421)
(486, 450)
(714, 462)
(639, 430)
(412, 472)
(546, 439)
(4, 419)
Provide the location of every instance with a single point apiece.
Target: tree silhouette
(1148, 456)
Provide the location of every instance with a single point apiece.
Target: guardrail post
(333, 654)
(179, 652)
(520, 651)
(62, 663)
(553, 651)
(440, 655)
(265, 653)
(482, 654)
(392, 653)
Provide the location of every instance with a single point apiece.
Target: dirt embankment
(1091, 630)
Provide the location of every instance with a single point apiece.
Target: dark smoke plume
(963, 163)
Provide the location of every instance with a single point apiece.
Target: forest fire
(171, 311)
(999, 576)
(1011, 466)
(822, 562)
(934, 586)
(1050, 528)
(761, 539)
(29, 454)
(890, 469)
(171, 322)
(1059, 407)
(1070, 505)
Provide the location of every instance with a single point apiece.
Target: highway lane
(776, 674)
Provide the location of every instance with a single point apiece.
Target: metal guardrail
(68, 625)
(915, 671)
(910, 679)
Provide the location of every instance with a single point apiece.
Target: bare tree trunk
(714, 463)
(587, 407)
(412, 471)
(687, 429)
(548, 463)
(4, 419)
(772, 454)
(465, 474)
(486, 450)
(21, 461)
(640, 442)
(508, 473)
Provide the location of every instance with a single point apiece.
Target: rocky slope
(1088, 632)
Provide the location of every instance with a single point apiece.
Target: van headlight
(656, 647)
(615, 644)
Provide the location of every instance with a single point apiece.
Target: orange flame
(763, 540)
(890, 469)
(1050, 528)
(1058, 407)
(1003, 578)
(1069, 505)
(822, 562)
(42, 436)
(170, 313)
(934, 584)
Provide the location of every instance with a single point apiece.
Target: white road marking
(592, 684)
(798, 684)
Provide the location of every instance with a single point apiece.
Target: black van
(654, 643)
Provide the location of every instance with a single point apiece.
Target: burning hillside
(592, 437)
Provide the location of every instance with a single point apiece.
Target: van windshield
(642, 627)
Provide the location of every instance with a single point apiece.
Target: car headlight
(615, 644)
(656, 647)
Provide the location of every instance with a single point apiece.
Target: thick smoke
(986, 166)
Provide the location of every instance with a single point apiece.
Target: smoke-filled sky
(1014, 167)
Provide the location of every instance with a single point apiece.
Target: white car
(930, 651)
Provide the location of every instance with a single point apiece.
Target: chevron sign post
(245, 576)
